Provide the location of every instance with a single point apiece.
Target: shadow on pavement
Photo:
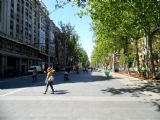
(22, 82)
(26, 81)
(88, 77)
(136, 91)
(61, 92)
(157, 105)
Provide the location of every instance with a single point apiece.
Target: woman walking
(49, 79)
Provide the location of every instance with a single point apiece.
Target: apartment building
(23, 38)
(51, 43)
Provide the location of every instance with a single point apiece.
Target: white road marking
(72, 98)
(12, 92)
(18, 90)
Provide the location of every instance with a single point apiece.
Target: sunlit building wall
(22, 35)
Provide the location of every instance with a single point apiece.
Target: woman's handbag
(50, 79)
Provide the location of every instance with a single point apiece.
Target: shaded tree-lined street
(85, 96)
(126, 37)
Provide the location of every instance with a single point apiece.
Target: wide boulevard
(86, 96)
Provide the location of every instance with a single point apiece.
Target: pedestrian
(145, 71)
(107, 72)
(77, 69)
(91, 69)
(34, 75)
(49, 79)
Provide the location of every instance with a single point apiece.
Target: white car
(31, 69)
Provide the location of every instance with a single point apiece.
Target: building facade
(24, 39)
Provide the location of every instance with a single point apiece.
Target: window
(11, 33)
(23, 50)
(29, 36)
(10, 46)
(11, 22)
(17, 28)
(26, 13)
(18, 9)
(11, 27)
(30, 7)
(12, 10)
(26, 34)
(30, 16)
(17, 20)
(26, 23)
(1, 46)
(12, 16)
(27, 4)
(17, 48)
(17, 15)
(12, 3)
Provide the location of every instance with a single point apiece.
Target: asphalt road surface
(86, 96)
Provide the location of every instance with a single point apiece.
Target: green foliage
(127, 59)
(75, 53)
(117, 24)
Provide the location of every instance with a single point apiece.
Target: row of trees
(118, 26)
(74, 53)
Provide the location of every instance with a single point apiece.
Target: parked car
(31, 68)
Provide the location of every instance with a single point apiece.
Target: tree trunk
(137, 56)
(151, 54)
(150, 42)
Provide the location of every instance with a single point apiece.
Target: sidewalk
(147, 87)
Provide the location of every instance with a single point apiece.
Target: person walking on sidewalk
(49, 79)
(34, 75)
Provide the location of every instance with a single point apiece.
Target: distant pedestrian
(77, 69)
(67, 69)
(91, 69)
(34, 75)
(145, 71)
(49, 79)
(107, 72)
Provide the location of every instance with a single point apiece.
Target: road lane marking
(20, 89)
(12, 92)
(72, 98)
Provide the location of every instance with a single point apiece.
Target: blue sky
(67, 15)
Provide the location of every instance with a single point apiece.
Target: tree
(118, 24)
(73, 51)
(119, 19)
